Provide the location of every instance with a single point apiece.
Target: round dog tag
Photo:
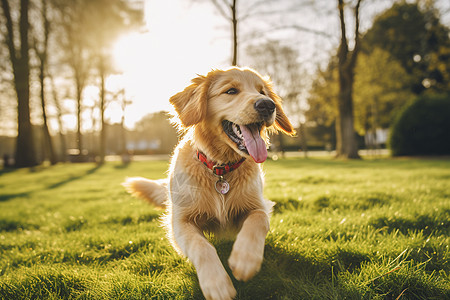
(222, 186)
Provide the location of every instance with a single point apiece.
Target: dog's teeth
(236, 130)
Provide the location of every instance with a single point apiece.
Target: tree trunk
(346, 137)
(63, 147)
(123, 140)
(42, 55)
(47, 137)
(79, 99)
(303, 141)
(222, 8)
(346, 146)
(281, 145)
(102, 111)
(25, 148)
(25, 155)
(235, 33)
(124, 149)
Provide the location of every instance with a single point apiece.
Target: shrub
(422, 127)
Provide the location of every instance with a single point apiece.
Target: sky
(180, 42)
(189, 37)
(184, 38)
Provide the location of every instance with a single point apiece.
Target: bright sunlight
(158, 63)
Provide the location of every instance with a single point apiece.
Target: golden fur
(192, 203)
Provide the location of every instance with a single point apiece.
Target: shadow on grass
(122, 166)
(14, 225)
(125, 220)
(102, 254)
(428, 224)
(285, 275)
(75, 177)
(7, 170)
(282, 205)
(7, 197)
(45, 285)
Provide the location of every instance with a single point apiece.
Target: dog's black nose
(265, 107)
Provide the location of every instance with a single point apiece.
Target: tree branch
(259, 34)
(310, 30)
(220, 9)
(251, 10)
(23, 29)
(10, 34)
(357, 38)
(343, 48)
(41, 48)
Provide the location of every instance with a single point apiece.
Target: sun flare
(158, 63)
(129, 51)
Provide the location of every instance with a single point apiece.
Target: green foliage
(372, 229)
(381, 89)
(422, 128)
(322, 100)
(323, 95)
(417, 40)
(405, 52)
(156, 126)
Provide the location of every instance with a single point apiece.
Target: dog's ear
(191, 103)
(282, 122)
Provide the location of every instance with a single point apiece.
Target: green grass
(372, 229)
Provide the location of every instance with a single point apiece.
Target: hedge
(422, 127)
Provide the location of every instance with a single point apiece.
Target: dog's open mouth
(247, 138)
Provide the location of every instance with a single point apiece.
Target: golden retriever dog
(215, 182)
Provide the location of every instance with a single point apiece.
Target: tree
(8, 95)
(322, 101)
(89, 29)
(157, 127)
(74, 45)
(417, 40)
(331, 96)
(421, 128)
(381, 89)
(25, 155)
(346, 146)
(228, 9)
(59, 115)
(381, 85)
(281, 63)
(107, 20)
(121, 97)
(41, 49)
(273, 13)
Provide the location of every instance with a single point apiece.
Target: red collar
(219, 170)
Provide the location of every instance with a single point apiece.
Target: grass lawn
(371, 229)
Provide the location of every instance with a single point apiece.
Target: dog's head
(233, 107)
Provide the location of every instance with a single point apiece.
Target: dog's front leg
(248, 249)
(214, 280)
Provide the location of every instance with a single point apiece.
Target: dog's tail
(153, 191)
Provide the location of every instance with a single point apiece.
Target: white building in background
(376, 140)
(144, 145)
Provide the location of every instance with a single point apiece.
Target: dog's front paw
(217, 286)
(245, 262)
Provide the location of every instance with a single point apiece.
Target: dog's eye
(262, 92)
(232, 91)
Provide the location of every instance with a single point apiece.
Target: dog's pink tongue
(256, 146)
